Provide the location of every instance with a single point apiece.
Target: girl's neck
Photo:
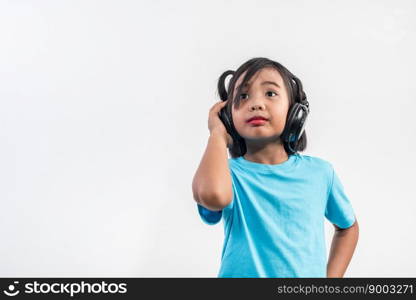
(269, 154)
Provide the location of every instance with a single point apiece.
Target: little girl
(272, 199)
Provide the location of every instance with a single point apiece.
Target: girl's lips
(257, 122)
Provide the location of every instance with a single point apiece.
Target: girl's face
(265, 96)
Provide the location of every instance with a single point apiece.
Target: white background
(103, 122)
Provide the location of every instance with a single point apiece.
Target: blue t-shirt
(274, 225)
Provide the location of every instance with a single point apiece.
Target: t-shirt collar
(254, 166)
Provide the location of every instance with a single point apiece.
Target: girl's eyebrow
(263, 83)
(270, 82)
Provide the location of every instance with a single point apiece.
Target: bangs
(251, 70)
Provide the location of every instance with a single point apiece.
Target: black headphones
(295, 121)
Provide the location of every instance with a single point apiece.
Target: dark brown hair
(290, 81)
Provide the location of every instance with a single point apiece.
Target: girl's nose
(256, 107)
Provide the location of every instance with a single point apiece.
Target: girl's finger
(219, 104)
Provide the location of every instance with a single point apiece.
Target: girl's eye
(242, 95)
(269, 93)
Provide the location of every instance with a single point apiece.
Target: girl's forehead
(264, 74)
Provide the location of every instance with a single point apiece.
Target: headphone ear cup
(228, 123)
(229, 126)
(288, 130)
(225, 119)
(295, 123)
(302, 117)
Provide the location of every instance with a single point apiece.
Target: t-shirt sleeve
(208, 216)
(339, 210)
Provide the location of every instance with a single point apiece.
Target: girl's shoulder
(316, 161)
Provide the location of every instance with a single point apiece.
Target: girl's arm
(342, 249)
(212, 185)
